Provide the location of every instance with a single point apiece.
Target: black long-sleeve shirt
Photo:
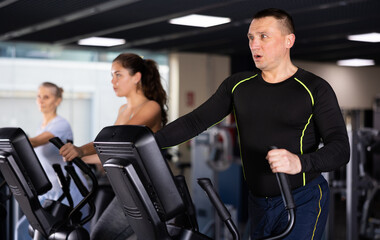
(295, 114)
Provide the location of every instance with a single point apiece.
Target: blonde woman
(49, 97)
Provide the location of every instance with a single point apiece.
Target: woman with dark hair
(139, 81)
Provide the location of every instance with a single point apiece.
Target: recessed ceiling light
(356, 62)
(366, 37)
(196, 20)
(101, 42)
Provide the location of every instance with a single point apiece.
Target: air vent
(115, 150)
(132, 212)
(15, 190)
(5, 145)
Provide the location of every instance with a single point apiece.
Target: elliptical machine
(157, 204)
(27, 180)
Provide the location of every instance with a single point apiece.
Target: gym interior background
(39, 42)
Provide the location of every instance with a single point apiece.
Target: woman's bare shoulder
(122, 107)
(152, 103)
(152, 106)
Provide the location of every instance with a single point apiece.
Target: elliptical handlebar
(223, 213)
(64, 184)
(82, 165)
(287, 197)
(88, 195)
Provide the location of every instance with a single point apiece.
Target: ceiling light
(101, 42)
(196, 20)
(366, 37)
(356, 62)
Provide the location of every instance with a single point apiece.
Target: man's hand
(281, 160)
(69, 152)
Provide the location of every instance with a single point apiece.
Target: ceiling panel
(322, 26)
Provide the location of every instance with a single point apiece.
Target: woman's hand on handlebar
(281, 160)
(70, 151)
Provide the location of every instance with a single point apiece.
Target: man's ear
(290, 39)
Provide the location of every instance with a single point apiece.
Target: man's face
(268, 42)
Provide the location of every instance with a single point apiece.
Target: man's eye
(263, 36)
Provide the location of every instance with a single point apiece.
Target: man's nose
(254, 44)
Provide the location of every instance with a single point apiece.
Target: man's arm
(217, 107)
(332, 129)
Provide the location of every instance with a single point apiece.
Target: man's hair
(278, 14)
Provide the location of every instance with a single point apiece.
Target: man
(280, 105)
